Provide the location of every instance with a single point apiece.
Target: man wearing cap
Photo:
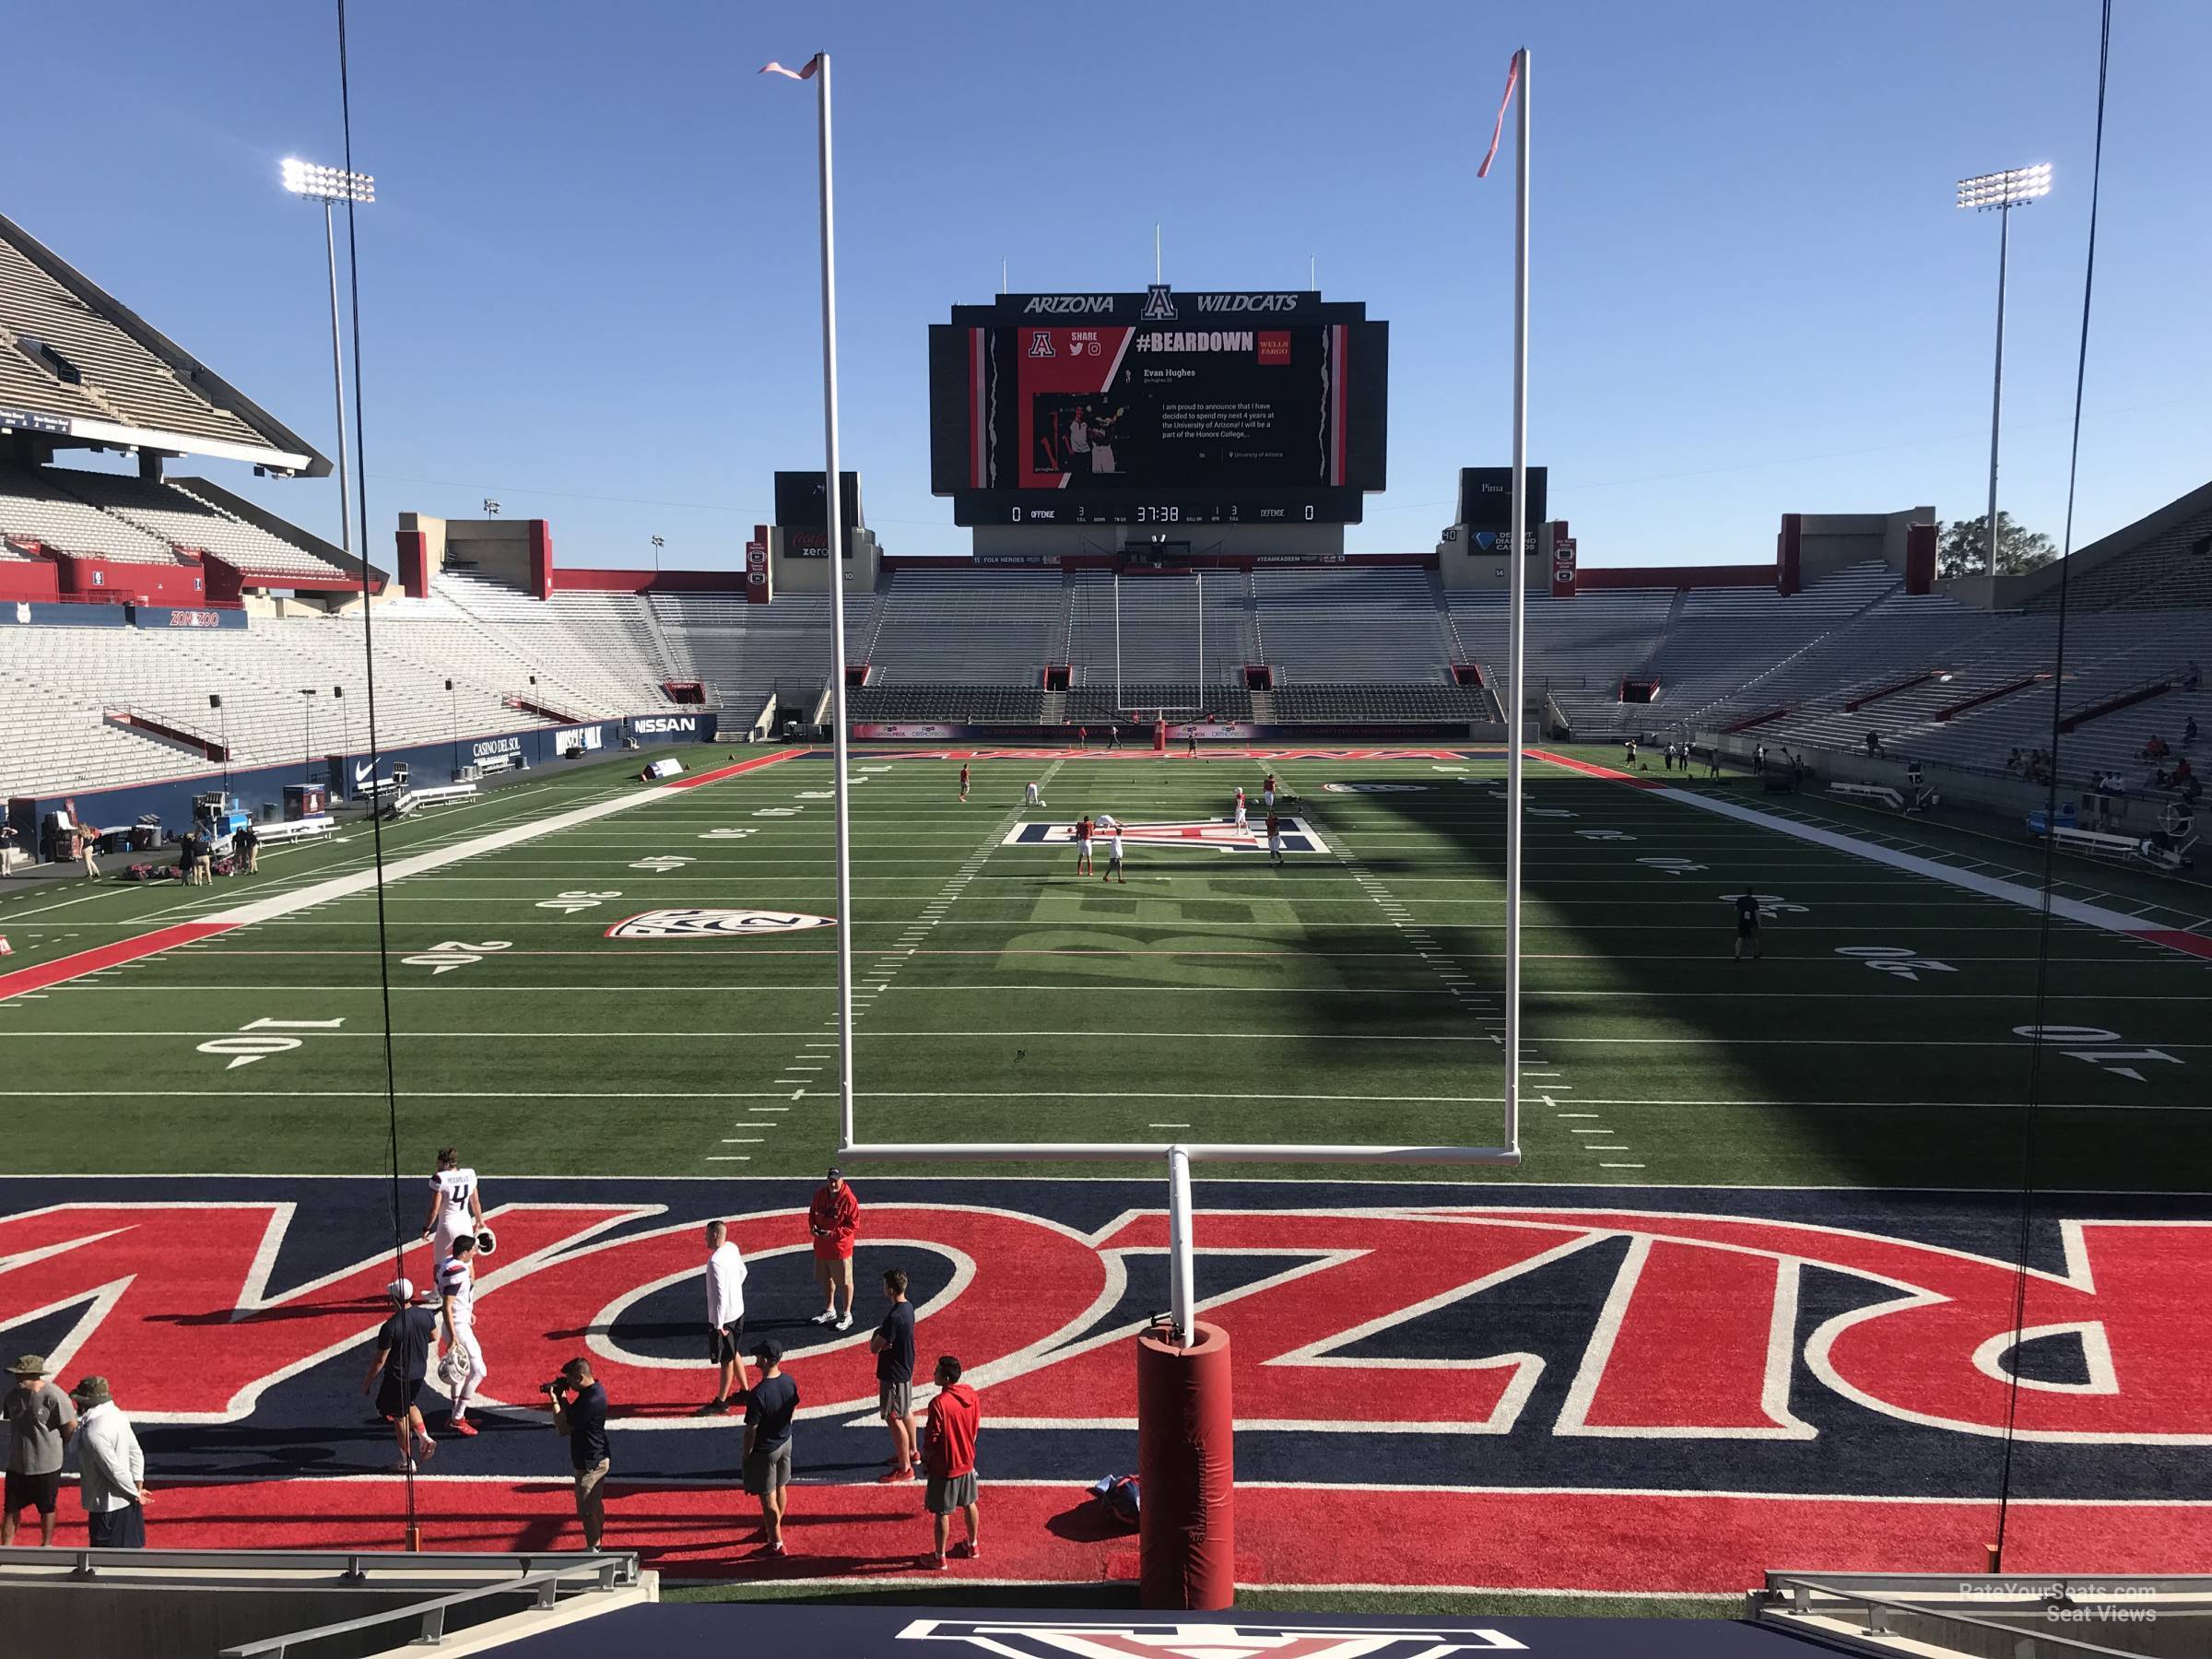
(403, 1359)
(833, 1219)
(113, 1485)
(40, 1422)
(770, 1405)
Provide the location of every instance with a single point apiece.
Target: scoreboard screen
(1158, 408)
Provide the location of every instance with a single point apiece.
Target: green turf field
(1350, 995)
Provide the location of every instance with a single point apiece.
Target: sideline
(1835, 840)
(62, 969)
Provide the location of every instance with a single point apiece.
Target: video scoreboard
(1159, 408)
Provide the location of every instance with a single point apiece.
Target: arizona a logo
(1160, 306)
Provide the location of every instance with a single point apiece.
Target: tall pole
(840, 807)
(1996, 395)
(1201, 576)
(1517, 612)
(1117, 642)
(1182, 1277)
(338, 385)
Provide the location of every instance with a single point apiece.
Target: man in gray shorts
(893, 1345)
(770, 1405)
(948, 1430)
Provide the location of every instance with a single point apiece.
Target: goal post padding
(1186, 1471)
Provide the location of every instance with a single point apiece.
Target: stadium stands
(945, 628)
(188, 523)
(1941, 681)
(1384, 625)
(69, 351)
(35, 505)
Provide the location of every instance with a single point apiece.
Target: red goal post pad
(1186, 1471)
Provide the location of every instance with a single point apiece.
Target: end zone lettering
(1656, 1325)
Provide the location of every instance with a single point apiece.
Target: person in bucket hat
(112, 1481)
(40, 1422)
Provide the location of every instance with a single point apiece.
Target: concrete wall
(1231, 541)
(1829, 541)
(112, 1621)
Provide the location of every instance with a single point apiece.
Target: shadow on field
(1826, 1063)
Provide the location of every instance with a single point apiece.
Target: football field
(1885, 1040)
(1796, 1242)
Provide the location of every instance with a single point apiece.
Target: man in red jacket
(833, 1219)
(949, 1429)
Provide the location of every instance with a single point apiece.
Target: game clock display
(1197, 408)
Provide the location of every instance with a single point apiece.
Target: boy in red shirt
(832, 1219)
(948, 1430)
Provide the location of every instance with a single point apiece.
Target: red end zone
(1590, 768)
(694, 780)
(1607, 1542)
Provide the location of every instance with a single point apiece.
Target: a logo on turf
(1207, 834)
(1374, 788)
(713, 923)
(1026, 1639)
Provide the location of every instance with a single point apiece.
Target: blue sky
(590, 285)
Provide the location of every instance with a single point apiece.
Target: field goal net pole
(1517, 608)
(833, 504)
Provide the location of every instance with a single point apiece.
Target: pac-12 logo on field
(711, 923)
(1297, 836)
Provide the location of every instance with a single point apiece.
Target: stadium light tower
(330, 185)
(2000, 193)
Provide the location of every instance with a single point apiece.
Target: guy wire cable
(376, 831)
(2043, 957)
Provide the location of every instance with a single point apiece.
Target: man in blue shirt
(770, 1405)
(403, 1359)
(893, 1345)
(583, 1420)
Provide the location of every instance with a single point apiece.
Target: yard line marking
(729, 1157)
(318, 893)
(1619, 1166)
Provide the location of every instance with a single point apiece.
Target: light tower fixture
(330, 185)
(2000, 193)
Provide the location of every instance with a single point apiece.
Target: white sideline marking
(1989, 886)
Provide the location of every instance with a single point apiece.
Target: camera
(558, 1386)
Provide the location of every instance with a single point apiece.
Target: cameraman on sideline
(583, 1420)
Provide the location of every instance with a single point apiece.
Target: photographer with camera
(583, 1420)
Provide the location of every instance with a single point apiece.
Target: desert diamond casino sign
(1158, 408)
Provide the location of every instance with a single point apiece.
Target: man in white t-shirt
(725, 1321)
(1034, 797)
(462, 1370)
(456, 1205)
(1113, 857)
(1078, 443)
(1237, 808)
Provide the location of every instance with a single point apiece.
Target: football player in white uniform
(462, 1369)
(456, 1205)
